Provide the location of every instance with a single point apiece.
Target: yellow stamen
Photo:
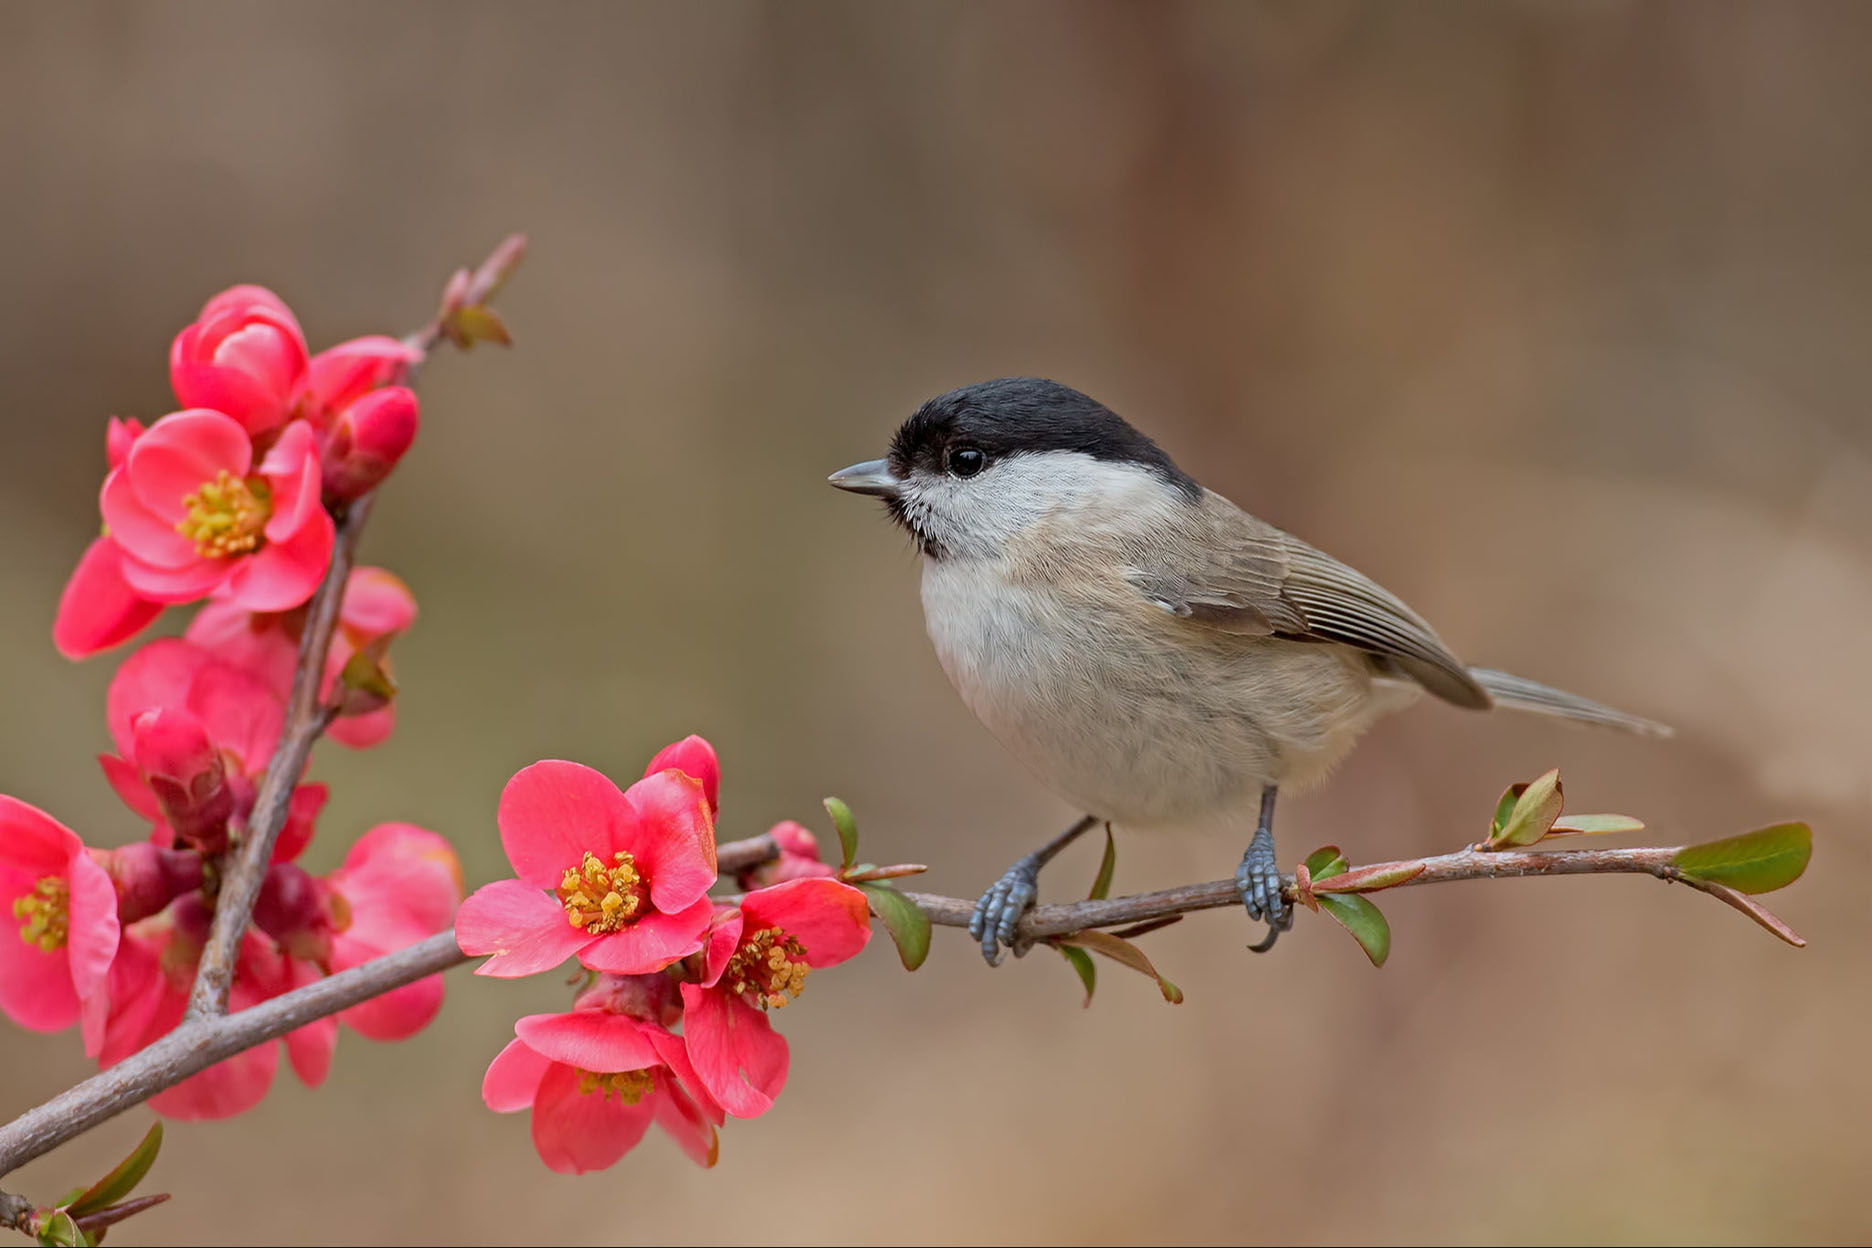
(600, 899)
(769, 969)
(629, 1086)
(227, 516)
(45, 914)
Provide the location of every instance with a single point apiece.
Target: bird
(1155, 655)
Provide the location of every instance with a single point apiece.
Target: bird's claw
(999, 911)
(1259, 882)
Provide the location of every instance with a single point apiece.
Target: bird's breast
(1121, 708)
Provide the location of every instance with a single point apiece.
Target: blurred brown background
(1552, 316)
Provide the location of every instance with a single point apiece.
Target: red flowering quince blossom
(620, 879)
(377, 607)
(245, 355)
(62, 907)
(240, 718)
(595, 1081)
(399, 883)
(192, 513)
(759, 955)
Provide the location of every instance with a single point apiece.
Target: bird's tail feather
(1526, 695)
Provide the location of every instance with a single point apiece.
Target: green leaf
(1370, 879)
(1755, 862)
(1364, 920)
(1504, 808)
(60, 1230)
(122, 1179)
(1532, 814)
(364, 673)
(479, 323)
(95, 1224)
(1326, 862)
(1081, 962)
(905, 921)
(847, 829)
(1121, 950)
(1101, 887)
(1595, 825)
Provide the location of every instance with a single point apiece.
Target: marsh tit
(1154, 654)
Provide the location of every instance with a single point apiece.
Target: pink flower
(377, 608)
(758, 958)
(244, 355)
(341, 375)
(798, 860)
(64, 911)
(399, 883)
(595, 1081)
(192, 513)
(240, 719)
(370, 436)
(626, 874)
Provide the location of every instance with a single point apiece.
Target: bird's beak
(871, 477)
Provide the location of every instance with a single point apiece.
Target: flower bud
(798, 860)
(368, 439)
(292, 910)
(185, 770)
(149, 877)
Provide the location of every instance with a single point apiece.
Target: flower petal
(151, 538)
(91, 925)
(282, 574)
(513, 1078)
(672, 836)
(35, 986)
(309, 1048)
(522, 927)
(575, 1132)
(695, 757)
(184, 584)
(832, 920)
(98, 609)
(34, 842)
(223, 1090)
(595, 1040)
(302, 813)
(553, 812)
(292, 469)
(724, 937)
(181, 452)
(127, 783)
(399, 1013)
(683, 1122)
(738, 1056)
(651, 943)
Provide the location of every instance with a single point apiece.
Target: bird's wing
(1250, 578)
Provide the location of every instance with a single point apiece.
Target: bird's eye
(966, 461)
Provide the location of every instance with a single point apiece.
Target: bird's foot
(1259, 882)
(1000, 909)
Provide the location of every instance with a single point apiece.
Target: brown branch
(244, 868)
(200, 1042)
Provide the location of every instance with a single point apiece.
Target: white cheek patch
(977, 517)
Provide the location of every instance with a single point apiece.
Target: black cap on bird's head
(965, 430)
